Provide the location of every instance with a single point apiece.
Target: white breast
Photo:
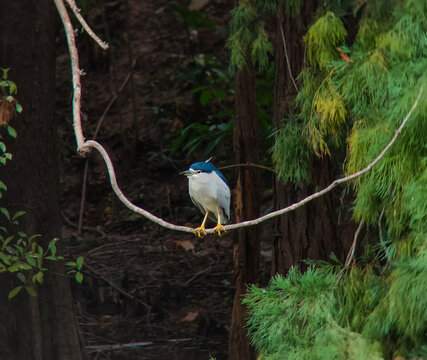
(210, 192)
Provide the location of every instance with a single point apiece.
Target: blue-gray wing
(223, 198)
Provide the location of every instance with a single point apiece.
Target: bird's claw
(217, 229)
(200, 231)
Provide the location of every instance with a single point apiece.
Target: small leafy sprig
(75, 268)
(22, 255)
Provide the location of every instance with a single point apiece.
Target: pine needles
(378, 307)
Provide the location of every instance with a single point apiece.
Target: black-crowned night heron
(209, 191)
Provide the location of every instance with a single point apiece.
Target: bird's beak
(186, 173)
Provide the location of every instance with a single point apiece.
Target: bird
(210, 192)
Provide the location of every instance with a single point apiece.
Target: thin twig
(104, 45)
(380, 230)
(99, 348)
(83, 198)
(103, 235)
(353, 245)
(188, 282)
(112, 101)
(86, 170)
(248, 164)
(286, 56)
(135, 127)
(118, 288)
(85, 146)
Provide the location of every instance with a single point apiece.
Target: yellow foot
(200, 231)
(217, 229)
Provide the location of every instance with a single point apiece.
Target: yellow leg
(200, 231)
(218, 228)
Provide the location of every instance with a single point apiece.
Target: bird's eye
(198, 171)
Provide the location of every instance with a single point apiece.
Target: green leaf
(31, 261)
(52, 246)
(79, 277)
(70, 263)
(40, 261)
(2, 146)
(14, 292)
(32, 237)
(79, 262)
(205, 96)
(18, 108)
(24, 266)
(10, 250)
(7, 241)
(198, 89)
(4, 72)
(5, 212)
(220, 94)
(53, 250)
(18, 214)
(12, 268)
(38, 277)
(21, 277)
(22, 234)
(52, 242)
(31, 291)
(11, 131)
(13, 89)
(5, 258)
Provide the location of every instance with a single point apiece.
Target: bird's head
(203, 167)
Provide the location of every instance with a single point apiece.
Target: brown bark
(42, 327)
(246, 206)
(311, 231)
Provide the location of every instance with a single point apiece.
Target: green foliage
(212, 86)
(198, 136)
(336, 313)
(75, 268)
(212, 79)
(193, 19)
(323, 38)
(362, 98)
(291, 153)
(248, 36)
(357, 97)
(400, 319)
(21, 254)
(296, 318)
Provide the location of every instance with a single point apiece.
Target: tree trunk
(310, 232)
(246, 206)
(42, 327)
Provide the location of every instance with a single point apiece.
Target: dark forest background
(286, 97)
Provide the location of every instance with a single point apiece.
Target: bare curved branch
(104, 45)
(84, 147)
(94, 144)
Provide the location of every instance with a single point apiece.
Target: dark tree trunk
(42, 327)
(310, 232)
(246, 206)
